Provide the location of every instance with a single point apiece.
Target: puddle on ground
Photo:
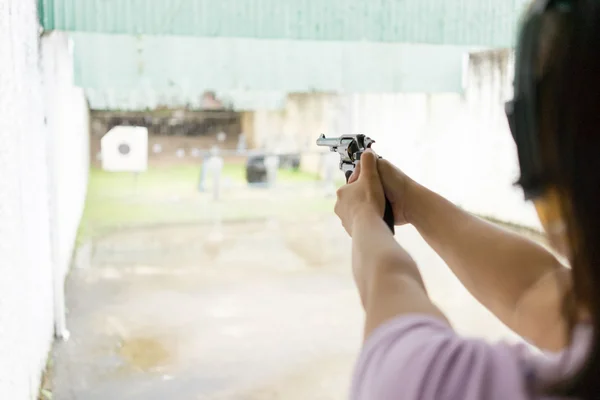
(213, 245)
(146, 354)
(318, 244)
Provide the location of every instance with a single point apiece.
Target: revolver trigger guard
(346, 167)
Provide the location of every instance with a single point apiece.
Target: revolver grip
(348, 175)
(388, 214)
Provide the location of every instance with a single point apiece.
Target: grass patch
(174, 179)
(45, 390)
(170, 195)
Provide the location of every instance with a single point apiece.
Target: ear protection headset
(523, 110)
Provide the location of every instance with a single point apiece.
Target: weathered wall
(26, 198)
(294, 128)
(193, 149)
(25, 267)
(462, 147)
(493, 166)
(67, 121)
(458, 145)
(169, 121)
(170, 131)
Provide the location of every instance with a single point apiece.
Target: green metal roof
(453, 22)
(185, 67)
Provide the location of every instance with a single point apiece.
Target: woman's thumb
(368, 164)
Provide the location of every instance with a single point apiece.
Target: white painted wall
(29, 191)
(458, 145)
(67, 118)
(489, 85)
(25, 262)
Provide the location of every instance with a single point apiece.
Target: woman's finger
(368, 160)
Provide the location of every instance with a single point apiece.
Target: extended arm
(391, 283)
(515, 278)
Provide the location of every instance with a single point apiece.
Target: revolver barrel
(329, 142)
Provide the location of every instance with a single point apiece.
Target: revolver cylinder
(349, 147)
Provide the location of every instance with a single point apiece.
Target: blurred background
(167, 219)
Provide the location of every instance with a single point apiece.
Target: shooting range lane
(267, 311)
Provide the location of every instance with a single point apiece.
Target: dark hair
(570, 136)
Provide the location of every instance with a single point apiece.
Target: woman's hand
(363, 193)
(396, 185)
(398, 188)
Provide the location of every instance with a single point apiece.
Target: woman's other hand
(397, 186)
(363, 193)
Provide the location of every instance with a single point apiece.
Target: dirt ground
(250, 311)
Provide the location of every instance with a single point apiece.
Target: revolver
(350, 148)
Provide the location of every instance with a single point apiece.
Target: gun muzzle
(331, 142)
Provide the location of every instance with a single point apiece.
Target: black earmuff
(522, 111)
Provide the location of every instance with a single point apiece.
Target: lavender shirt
(419, 357)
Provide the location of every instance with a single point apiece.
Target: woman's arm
(515, 278)
(389, 282)
(387, 278)
(410, 351)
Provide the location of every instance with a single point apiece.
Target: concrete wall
(494, 167)
(28, 195)
(170, 131)
(68, 124)
(169, 147)
(294, 128)
(458, 145)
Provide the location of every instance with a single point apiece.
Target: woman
(410, 350)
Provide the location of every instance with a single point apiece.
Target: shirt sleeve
(421, 358)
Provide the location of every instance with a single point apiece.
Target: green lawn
(170, 195)
(175, 178)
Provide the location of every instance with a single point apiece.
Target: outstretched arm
(391, 283)
(409, 347)
(515, 278)
(387, 278)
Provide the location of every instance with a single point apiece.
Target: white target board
(125, 149)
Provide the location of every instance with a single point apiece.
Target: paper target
(125, 148)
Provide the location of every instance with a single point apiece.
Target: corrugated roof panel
(195, 65)
(453, 22)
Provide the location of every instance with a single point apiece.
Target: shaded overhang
(157, 70)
